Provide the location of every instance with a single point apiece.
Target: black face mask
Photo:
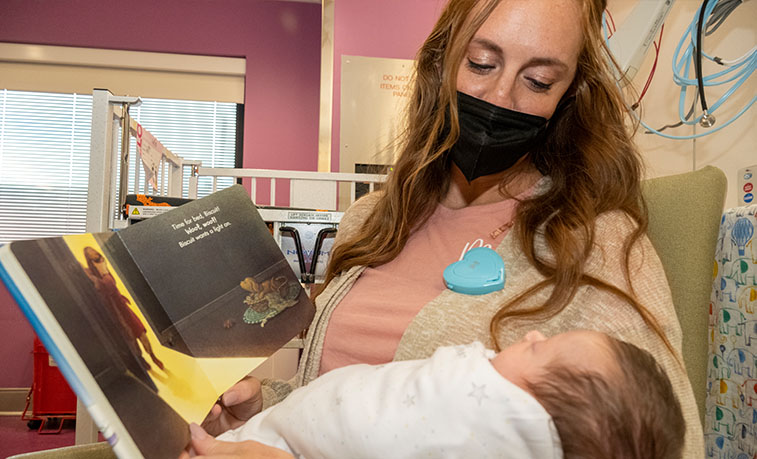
(492, 138)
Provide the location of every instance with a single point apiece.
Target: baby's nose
(535, 335)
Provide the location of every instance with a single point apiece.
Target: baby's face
(528, 358)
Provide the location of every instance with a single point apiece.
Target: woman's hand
(238, 404)
(205, 446)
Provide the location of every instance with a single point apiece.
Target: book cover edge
(88, 392)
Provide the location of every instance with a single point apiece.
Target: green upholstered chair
(99, 450)
(684, 219)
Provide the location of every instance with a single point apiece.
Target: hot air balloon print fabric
(730, 425)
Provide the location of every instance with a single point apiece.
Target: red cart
(50, 396)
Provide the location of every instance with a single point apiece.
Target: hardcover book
(150, 324)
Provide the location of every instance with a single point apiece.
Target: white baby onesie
(452, 405)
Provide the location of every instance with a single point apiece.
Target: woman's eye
(478, 68)
(537, 85)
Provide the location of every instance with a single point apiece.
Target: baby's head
(606, 397)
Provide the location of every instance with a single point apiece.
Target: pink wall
(280, 40)
(389, 28)
(15, 344)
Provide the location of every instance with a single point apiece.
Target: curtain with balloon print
(731, 410)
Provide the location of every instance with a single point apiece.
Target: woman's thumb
(201, 441)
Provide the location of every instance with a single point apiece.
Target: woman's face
(524, 56)
(93, 255)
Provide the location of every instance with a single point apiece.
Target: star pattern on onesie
(409, 400)
(478, 392)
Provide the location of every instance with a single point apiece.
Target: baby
(576, 394)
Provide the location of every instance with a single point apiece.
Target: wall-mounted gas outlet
(746, 183)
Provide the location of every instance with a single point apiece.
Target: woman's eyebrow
(547, 62)
(488, 44)
(533, 62)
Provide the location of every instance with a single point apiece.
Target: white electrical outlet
(746, 185)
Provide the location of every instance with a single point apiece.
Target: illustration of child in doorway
(105, 284)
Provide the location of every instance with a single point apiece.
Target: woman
(516, 140)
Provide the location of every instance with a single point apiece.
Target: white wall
(731, 148)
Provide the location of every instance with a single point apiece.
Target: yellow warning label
(135, 211)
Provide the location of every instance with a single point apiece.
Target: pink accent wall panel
(389, 28)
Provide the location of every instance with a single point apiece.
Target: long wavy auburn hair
(589, 156)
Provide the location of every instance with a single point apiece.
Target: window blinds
(44, 154)
(44, 160)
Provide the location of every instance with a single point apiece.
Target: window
(44, 153)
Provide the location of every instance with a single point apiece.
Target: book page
(182, 382)
(211, 280)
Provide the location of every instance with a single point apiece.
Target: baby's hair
(629, 413)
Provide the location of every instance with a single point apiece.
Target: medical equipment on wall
(746, 184)
(630, 43)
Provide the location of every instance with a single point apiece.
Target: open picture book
(150, 324)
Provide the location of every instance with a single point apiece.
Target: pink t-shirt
(368, 323)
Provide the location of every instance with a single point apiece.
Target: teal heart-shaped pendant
(480, 271)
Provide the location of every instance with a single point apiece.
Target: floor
(16, 437)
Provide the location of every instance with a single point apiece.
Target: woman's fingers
(236, 405)
(206, 446)
(244, 399)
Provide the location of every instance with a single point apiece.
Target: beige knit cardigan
(454, 318)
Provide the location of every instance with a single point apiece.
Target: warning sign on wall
(374, 94)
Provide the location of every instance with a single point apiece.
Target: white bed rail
(305, 188)
(107, 188)
(170, 175)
